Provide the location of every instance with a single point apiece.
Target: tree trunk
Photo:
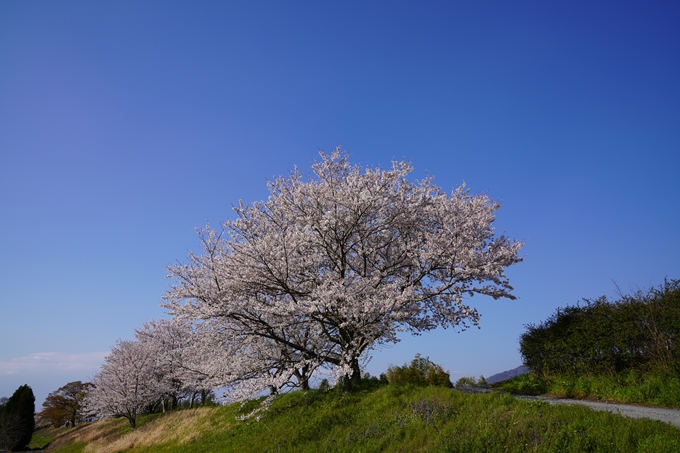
(302, 377)
(349, 381)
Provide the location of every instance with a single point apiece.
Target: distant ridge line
(522, 369)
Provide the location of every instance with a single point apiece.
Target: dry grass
(179, 427)
(111, 436)
(88, 432)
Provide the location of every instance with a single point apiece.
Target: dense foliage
(637, 332)
(421, 371)
(65, 405)
(17, 419)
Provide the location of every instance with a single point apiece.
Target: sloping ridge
(522, 369)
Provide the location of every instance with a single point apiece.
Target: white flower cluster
(328, 268)
(156, 369)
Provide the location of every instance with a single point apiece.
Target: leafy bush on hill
(602, 337)
(470, 381)
(422, 372)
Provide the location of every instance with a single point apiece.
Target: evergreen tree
(18, 418)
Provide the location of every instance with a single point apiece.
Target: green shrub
(466, 381)
(421, 372)
(470, 381)
(524, 384)
(602, 337)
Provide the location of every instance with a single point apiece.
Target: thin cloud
(53, 362)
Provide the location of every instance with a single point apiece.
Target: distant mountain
(507, 374)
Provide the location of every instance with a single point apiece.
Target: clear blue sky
(124, 125)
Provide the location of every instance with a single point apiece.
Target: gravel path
(671, 416)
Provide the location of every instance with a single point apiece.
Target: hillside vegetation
(601, 337)
(627, 350)
(389, 418)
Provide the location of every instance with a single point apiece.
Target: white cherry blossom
(333, 265)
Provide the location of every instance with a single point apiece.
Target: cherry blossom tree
(127, 383)
(337, 263)
(166, 345)
(179, 364)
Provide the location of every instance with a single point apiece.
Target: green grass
(43, 437)
(633, 387)
(385, 419)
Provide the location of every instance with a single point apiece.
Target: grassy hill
(381, 418)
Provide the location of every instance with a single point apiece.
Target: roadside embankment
(671, 416)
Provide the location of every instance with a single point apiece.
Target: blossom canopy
(336, 263)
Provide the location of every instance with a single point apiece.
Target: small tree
(422, 371)
(126, 385)
(65, 404)
(17, 419)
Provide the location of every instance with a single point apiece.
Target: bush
(421, 372)
(470, 381)
(637, 332)
(525, 384)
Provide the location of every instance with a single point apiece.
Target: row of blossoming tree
(331, 266)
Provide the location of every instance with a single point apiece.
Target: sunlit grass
(385, 419)
(632, 387)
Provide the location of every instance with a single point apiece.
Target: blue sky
(125, 125)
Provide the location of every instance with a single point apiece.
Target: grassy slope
(633, 387)
(391, 418)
